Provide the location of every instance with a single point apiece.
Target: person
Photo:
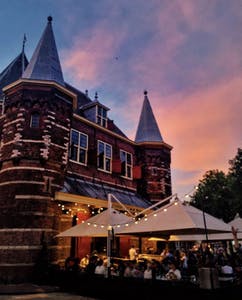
(100, 268)
(132, 253)
(148, 271)
(174, 273)
(84, 262)
(226, 274)
(71, 264)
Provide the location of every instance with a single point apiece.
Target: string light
(133, 219)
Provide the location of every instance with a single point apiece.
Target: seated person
(100, 268)
(226, 273)
(71, 264)
(174, 273)
(148, 271)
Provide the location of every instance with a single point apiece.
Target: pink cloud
(204, 128)
(88, 58)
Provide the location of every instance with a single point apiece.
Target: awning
(98, 225)
(177, 218)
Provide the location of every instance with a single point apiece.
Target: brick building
(60, 156)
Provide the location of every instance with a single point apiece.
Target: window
(126, 164)
(101, 116)
(34, 120)
(79, 144)
(104, 156)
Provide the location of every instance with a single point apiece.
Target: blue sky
(186, 53)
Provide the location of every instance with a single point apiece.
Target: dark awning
(101, 191)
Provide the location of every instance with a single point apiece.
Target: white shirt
(132, 254)
(147, 274)
(173, 274)
(100, 270)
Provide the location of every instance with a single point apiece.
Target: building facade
(60, 157)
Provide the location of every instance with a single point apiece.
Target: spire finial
(145, 92)
(23, 61)
(96, 96)
(49, 19)
(24, 41)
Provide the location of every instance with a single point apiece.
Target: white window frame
(100, 118)
(107, 160)
(78, 147)
(128, 167)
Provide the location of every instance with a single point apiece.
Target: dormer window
(95, 112)
(35, 120)
(101, 116)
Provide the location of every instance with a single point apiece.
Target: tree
(235, 178)
(214, 195)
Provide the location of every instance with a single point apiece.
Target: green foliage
(219, 194)
(235, 177)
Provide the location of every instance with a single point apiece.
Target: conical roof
(45, 63)
(13, 71)
(148, 130)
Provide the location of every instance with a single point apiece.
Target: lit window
(34, 120)
(79, 144)
(126, 164)
(104, 156)
(101, 116)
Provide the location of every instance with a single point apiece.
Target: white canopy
(177, 218)
(199, 237)
(98, 225)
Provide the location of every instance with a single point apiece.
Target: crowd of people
(174, 264)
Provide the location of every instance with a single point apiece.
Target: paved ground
(28, 291)
(41, 296)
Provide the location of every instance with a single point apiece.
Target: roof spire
(23, 59)
(45, 63)
(148, 130)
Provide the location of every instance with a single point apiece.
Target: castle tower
(154, 156)
(35, 130)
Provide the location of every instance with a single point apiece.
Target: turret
(33, 154)
(153, 156)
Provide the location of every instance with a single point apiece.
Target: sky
(186, 53)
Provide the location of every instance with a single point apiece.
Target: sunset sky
(186, 53)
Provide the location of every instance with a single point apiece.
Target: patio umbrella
(98, 225)
(105, 224)
(177, 218)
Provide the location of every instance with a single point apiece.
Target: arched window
(34, 121)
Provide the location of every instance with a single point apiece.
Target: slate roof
(13, 71)
(45, 63)
(83, 100)
(101, 191)
(148, 130)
